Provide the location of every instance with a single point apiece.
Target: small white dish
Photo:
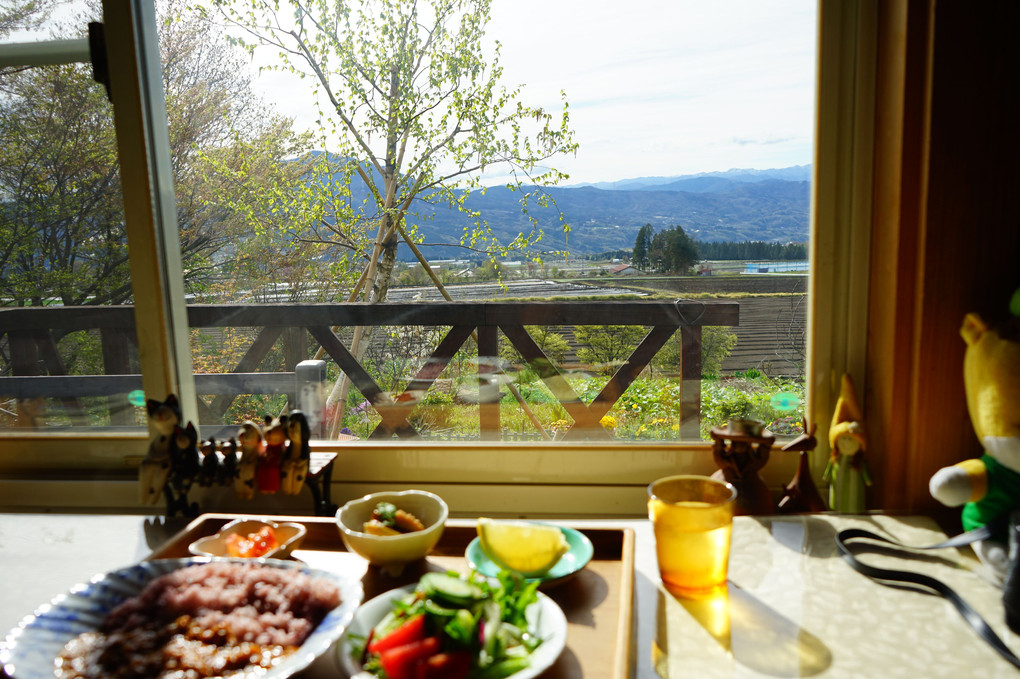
(288, 535)
(545, 617)
(393, 552)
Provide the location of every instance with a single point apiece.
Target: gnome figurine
(847, 471)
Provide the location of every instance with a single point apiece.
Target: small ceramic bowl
(289, 535)
(393, 552)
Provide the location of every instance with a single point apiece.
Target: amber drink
(692, 518)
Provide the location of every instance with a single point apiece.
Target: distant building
(776, 267)
(624, 270)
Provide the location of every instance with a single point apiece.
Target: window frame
(589, 479)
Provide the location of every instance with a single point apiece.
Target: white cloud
(656, 87)
(664, 87)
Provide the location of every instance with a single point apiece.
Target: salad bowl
(545, 621)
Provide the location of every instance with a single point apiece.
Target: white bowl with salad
(449, 626)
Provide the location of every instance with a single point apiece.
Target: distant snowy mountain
(706, 182)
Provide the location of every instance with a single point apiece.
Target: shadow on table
(159, 529)
(814, 537)
(748, 630)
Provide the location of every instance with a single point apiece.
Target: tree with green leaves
(672, 251)
(717, 343)
(236, 175)
(642, 244)
(416, 111)
(412, 105)
(552, 344)
(605, 346)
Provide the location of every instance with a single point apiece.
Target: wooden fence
(29, 340)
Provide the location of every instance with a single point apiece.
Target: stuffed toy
(847, 471)
(988, 488)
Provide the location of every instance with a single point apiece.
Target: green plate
(576, 558)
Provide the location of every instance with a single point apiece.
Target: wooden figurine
(801, 494)
(847, 471)
(267, 472)
(741, 454)
(249, 438)
(209, 472)
(228, 470)
(295, 465)
(154, 470)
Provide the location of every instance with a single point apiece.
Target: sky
(664, 87)
(656, 87)
(669, 87)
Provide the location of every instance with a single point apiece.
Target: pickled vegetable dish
(388, 519)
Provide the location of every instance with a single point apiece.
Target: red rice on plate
(218, 619)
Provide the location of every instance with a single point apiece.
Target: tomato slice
(412, 630)
(400, 661)
(453, 665)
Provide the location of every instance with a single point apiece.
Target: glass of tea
(692, 518)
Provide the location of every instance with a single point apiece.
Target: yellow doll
(988, 487)
(847, 471)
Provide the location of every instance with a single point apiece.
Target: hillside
(709, 208)
(737, 205)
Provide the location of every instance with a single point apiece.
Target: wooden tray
(598, 601)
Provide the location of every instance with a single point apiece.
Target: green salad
(453, 627)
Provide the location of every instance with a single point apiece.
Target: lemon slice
(530, 549)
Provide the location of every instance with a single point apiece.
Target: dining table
(793, 607)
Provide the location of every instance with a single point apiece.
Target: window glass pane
(68, 351)
(328, 179)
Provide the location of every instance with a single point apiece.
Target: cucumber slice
(449, 589)
(434, 608)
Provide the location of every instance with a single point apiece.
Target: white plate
(545, 617)
(28, 650)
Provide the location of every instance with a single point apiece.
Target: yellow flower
(608, 421)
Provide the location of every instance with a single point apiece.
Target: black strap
(888, 577)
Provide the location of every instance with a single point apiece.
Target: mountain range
(737, 205)
(734, 206)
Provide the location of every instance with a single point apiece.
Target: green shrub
(716, 344)
(749, 398)
(603, 346)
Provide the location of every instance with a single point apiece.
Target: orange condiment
(252, 545)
